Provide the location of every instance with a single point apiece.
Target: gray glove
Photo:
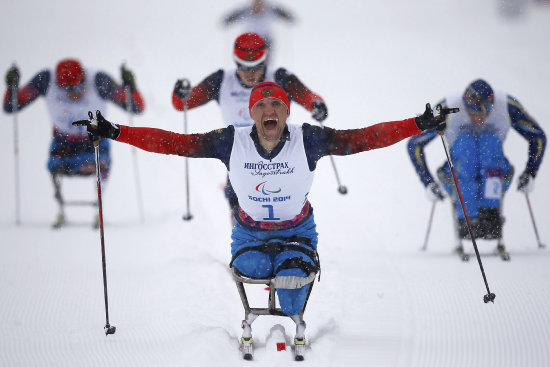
(12, 77)
(319, 110)
(526, 181)
(434, 192)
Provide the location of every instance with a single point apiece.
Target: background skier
(259, 18)
(70, 91)
(476, 135)
(231, 89)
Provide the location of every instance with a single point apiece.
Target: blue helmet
(479, 97)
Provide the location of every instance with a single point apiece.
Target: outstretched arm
(213, 144)
(321, 141)
(344, 142)
(204, 145)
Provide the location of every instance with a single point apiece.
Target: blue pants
(78, 157)
(265, 264)
(482, 170)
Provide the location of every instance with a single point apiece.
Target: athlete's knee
(255, 264)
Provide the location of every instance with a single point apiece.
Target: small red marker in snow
(281, 346)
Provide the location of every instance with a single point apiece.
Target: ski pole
(541, 245)
(489, 297)
(341, 188)
(15, 106)
(109, 329)
(429, 227)
(186, 91)
(128, 92)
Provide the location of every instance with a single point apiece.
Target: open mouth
(270, 124)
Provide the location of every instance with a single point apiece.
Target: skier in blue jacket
(475, 136)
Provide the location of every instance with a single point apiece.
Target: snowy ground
(380, 302)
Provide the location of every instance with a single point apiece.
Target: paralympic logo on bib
(261, 188)
(269, 194)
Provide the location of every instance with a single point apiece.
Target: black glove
(128, 79)
(319, 110)
(102, 130)
(525, 181)
(428, 121)
(12, 77)
(434, 193)
(182, 89)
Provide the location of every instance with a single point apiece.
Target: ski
(461, 254)
(299, 348)
(59, 221)
(502, 253)
(247, 348)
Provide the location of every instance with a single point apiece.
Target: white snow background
(380, 302)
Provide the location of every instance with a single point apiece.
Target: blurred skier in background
(271, 165)
(231, 89)
(70, 90)
(258, 18)
(476, 136)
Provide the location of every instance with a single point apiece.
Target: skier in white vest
(259, 17)
(70, 91)
(476, 136)
(271, 165)
(231, 89)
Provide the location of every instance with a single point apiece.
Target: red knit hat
(249, 50)
(267, 90)
(69, 73)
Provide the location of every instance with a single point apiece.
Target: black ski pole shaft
(137, 180)
(186, 89)
(489, 297)
(109, 329)
(541, 245)
(15, 106)
(341, 188)
(428, 230)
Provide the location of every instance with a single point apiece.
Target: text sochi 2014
(274, 199)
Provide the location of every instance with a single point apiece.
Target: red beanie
(267, 90)
(249, 49)
(69, 73)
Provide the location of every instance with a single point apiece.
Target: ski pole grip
(185, 88)
(444, 111)
(93, 125)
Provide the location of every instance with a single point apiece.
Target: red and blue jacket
(107, 89)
